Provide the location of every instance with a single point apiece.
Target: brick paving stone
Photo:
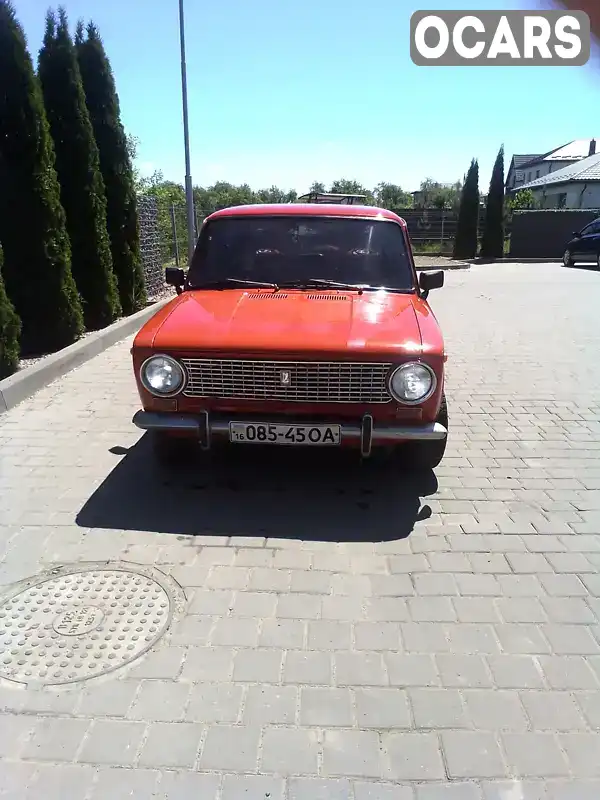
(569, 672)
(266, 704)
(494, 711)
(50, 739)
(437, 708)
(326, 707)
(122, 784)
(583, 753)
(290, 751)
(382, 709)
(208, 664)
(107, 699)
(552, 711)
(241, 787)
(449, 791)
(413, 756)
(463, 671)
(15, 732)
(534, 755)
(377, 791)
(472, 755)
(187, 786)
(160, 701)
(214, 702)
(329, 635)
(589, 702)
(171, 744)
(319, 789)
(232, 748)
(112, 742)
(307, 668)
(58, 781)
(406, 669)
(255, 666)
(524, 790)
(359, 669)
(352, 753)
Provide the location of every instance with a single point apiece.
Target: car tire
(598, 261)
(171, 451)
(426, 455)
(568, 259)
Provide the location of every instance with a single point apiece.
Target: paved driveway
(345, 635)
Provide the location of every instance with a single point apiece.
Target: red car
(297, 324)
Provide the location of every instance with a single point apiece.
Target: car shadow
(277, 493)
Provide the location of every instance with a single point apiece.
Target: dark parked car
(584, 247)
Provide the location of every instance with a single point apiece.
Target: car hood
(292, 321)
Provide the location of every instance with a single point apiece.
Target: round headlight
(412, 383)
(162, 376)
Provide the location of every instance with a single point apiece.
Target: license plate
(268, 433)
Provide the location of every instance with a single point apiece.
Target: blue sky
(286, 93)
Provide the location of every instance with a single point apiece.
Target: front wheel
(598, 261)
(425, 455)
(568, 259)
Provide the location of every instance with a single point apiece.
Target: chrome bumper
(367, 433)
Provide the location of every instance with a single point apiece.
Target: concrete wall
(544, 234)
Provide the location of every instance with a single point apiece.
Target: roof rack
(331, 197)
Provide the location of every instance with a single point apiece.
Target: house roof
(586, 169)
(572, 151)
(519, 160)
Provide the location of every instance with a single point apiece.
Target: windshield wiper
(325, 282)
(312, 282)
(225, 283)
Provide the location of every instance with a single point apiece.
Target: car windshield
(301, 251)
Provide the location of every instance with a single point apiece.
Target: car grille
(293, 381)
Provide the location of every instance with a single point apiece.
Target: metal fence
(150, 246)
(431, 230)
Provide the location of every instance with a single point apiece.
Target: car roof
(308, 210)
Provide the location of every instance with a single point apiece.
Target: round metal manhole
(73, 624)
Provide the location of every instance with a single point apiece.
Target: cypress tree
(10, 332)
(78, 169)
(37, 256)
(465, 242)
(103, 105)
(492, 243)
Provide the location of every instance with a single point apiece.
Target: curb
(515, 260)
(25, 383)
(444, 267)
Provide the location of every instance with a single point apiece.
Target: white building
(574, 186)
(524, 169)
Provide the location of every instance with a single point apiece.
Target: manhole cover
(61, 628)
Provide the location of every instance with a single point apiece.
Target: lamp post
(189, 193)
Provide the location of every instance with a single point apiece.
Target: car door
(587, 246)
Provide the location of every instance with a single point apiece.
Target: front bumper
(366, 433)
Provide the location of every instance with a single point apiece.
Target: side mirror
(430, 280)
(576, 234)
(175, 277)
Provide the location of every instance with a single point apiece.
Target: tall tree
(10, 332)
(37, 256)
(492, 243)
(465, 241)
(78, 169)
(115, 164)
